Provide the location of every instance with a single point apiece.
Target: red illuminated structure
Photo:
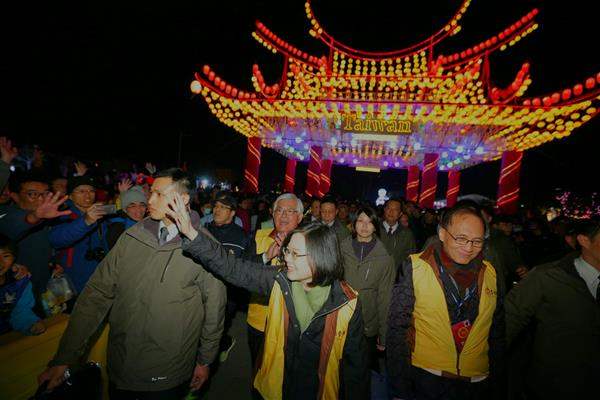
(381, 110)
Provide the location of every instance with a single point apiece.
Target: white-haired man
(287, 215)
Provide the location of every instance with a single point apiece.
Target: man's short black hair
(393, 199)
(463, 208)
(324, 254)
(7, 244)
(17, 180)
(330, 200)
(588, 227)
(179, 177)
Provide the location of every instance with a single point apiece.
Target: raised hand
(7, 150)
(178, 212)
(125, 185)
(49, 207)
(151, 168)
(80, 168)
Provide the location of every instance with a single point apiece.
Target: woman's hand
(178, 212)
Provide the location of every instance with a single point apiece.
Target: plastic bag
(59, 290)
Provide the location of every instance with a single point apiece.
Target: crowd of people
(458, 303)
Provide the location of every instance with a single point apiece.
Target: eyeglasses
(221, 206)
(291, 253)
(34, 194)
(463, 241)
(286, 211)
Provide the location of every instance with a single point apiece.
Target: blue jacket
(74, 238)
(16, 298)
(33, 244)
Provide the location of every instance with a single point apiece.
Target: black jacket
(302, 351)
(555, 304)
(231, 236)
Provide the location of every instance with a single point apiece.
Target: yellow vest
(434, 347)
(269, 377)
(257, 308)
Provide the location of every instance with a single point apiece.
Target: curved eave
(518, 29)
(318, 31)
(283, 47)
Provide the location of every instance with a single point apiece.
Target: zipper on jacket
(162, 278)
(323, 314)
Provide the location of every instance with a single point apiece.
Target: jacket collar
(570, 275)
(147, 232)
(378, 251)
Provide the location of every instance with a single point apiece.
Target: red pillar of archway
(252, 165)
(325, 177)
(453, 188)
(429, 182)
(290, 176)
(508, 184)
(412, 184)
(313, 179)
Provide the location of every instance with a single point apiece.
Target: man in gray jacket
(165, 311)
(397, 239)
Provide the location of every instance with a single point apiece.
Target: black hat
(227, 199)
(79, 181)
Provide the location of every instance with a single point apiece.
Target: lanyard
(458, 300)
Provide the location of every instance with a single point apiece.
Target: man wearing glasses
(233, 239)
(27, 223)
(446, 325)
(287, 215)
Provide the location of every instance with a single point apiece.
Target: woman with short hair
(370, 270)
(314, 342)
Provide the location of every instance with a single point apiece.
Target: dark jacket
(302, 351)
(373, 277)
(165, 312)
(505, 256)
(116, 226)
(341, 231)
(401, 332)
(76, 242)
(556, 304)
(33, 244)
(4, 174)
(400, 244)
(231, 236)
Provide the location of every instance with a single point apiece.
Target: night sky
(111, 81)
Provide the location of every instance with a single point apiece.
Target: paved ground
(232, 378)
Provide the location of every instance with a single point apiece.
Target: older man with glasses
(287, 215)
(446, 328)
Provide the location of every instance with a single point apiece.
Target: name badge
(460, 331)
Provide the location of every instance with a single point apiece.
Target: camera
(95, 254)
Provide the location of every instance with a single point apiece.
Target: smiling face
(462, 227)
(296, 259)
(286, 216)
(30, 195)
(136, 210)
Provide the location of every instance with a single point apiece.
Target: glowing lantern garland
(388, 109)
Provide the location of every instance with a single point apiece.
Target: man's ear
(441, 233)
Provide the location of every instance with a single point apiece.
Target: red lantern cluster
(223, 86)
(503, 94)
(503, 36)
(267, 90)
(284, 46)
(577, 90)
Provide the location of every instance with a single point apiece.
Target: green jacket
(373, 278)
(556, 306)
(399, 244)
(165, 312)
